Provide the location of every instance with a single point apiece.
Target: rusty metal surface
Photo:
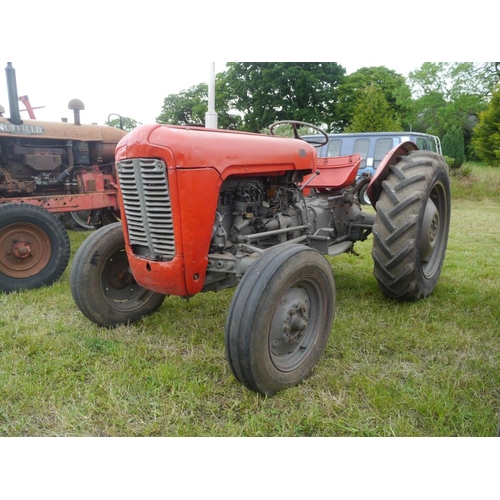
(56, 130)
(69, 203)
(25, 250)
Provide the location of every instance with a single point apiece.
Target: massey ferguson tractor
(206, 209)
(49, 168)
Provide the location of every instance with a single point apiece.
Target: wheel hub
(25, 250)
(296, 322)
(120, 276)
(21, 249)
(118, 282)
(290, 323)
(430, 231)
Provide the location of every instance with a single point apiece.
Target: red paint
(390, 158)
(334, 173)
(198, 161)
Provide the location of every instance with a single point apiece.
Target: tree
(453, 146)
(393, 86)
(486, 139)
(123, 122)
(265, 92)
(187, 107)
(190, 106)
(373, 113)
(455, 78)
(451, 94)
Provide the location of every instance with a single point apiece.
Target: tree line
(459, 102)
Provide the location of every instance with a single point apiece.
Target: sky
(125, 58)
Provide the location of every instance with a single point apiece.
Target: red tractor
(207, 209)
(49, 168)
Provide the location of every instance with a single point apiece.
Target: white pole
(211, 115)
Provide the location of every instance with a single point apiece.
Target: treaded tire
(101, 284)
(280, 318)
(34, 247)
(410, 233)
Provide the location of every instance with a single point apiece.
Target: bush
(486, 140)
(454, 146)
(449, 160)
(462, 172)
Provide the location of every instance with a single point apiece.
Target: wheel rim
(365, 197)
(433, 234)
(25, 250)
(118, 286)
(294, 325)
(80, 218)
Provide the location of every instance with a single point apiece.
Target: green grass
(429, 368)
(482, 183)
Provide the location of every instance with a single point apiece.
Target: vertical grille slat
(146, 200)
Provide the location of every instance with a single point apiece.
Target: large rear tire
(280, 318)
(34, 247)
(410, 233)
(102, 285)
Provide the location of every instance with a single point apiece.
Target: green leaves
(453, 146)
(368, 84)
(487, 132)
(271, 91)
(187, 107)
(190, 106)
(373, 113)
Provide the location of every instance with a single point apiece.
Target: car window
(426, 143)
(382, 147)
(334, 148)
(422, 143)
(362, 146)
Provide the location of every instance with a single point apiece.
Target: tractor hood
(62, 130)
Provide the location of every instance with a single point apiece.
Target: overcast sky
(125, 58)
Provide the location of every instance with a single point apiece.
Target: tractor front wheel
(411, 226)
(102, 285)
(34, 247)
(280, 318)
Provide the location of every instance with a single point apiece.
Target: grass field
(429, 368)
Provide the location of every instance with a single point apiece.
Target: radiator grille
(146, 199)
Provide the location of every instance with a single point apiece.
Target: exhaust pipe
(15, 115)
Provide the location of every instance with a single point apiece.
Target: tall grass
(480, 182)
(429, 368)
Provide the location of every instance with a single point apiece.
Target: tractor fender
(375, 186)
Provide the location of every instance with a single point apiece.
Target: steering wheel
(295, 126)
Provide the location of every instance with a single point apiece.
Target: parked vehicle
(207, 209)
(373, 146)
(49, 170)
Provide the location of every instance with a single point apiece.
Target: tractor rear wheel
(280, 318)
(102, 285)
(34, 247)
(410, 233)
